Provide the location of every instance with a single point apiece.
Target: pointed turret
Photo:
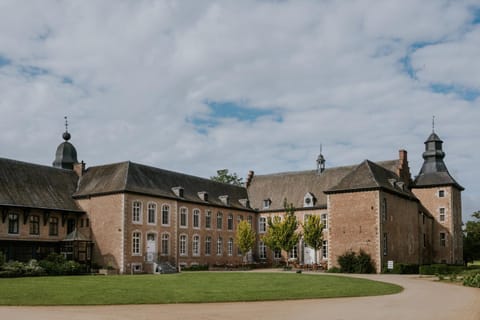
(66, 155)
(320, 162)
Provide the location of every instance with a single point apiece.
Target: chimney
(403, 169)
(79, 168)
(249, 178)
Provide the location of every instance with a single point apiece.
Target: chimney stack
(249, 178)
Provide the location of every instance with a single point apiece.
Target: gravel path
(422, 299)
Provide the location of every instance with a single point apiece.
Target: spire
(434, 171)
(320, 162)
(66, 155)
(433, 124)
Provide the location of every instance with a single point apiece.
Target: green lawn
(185, 287)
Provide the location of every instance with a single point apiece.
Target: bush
(56, 264)
(353, 263)
(436, 269)
(334, 270)
(198, 267)
(472, 280)
(20, 269)
(2, 259)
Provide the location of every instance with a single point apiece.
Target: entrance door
(308, 255)
(151, 247)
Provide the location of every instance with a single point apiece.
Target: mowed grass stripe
(184, 288)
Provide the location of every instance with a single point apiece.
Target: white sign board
(390, 264)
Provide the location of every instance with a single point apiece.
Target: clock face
(307, 200)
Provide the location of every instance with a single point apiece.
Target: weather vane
(66, 124)
(433, 124)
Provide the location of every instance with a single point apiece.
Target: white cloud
(141, 70)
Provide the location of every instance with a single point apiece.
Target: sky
(197, 86)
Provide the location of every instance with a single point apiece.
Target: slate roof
(35, 186)
(432, 179)
(137, 178)
(371, 176)
(295, 185)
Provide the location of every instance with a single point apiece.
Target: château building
(135, 218)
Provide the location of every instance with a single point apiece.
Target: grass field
(183, 288)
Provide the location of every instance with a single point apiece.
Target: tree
(283, 234)
(245, 237)
(471, 239)
(224, 177)
(313, 233)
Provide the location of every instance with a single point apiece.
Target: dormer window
(224, 199)
(308, 200)
(244, 202)
(178, 191)
(267, 203)
(203, 195)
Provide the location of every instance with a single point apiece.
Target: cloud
(198, 86)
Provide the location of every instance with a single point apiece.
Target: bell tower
(66, 155)
(440, 194)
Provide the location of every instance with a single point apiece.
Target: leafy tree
(471, 239)
(283, 234)
(245, 237)
(225, 177)
(313, 233)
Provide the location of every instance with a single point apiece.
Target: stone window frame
(183, 245)
(262, 224)
(208, 219)
(208, 245)
(443, 239)
(324, 249)
(324, 220)
(230, 222)
(219, 246)
(196, 218)
(196, 248)
(136, 243)
(262, 250)
(165, 243)
(219, 223)
(165, 213)
(183, 212)
(137, 212)
(152, 205)
(230, 247)
(441, 193)
(442, 213)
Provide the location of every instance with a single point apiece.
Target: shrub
(20, 269)
(472, 280)
(347, 262)
(56, 264)
(353, 263)
(334, 270)
(404, 268)
(2, 259)
(436, 269)
(198, 267)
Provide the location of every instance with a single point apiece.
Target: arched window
(183, 245)
(165, 244)
(196, 218)
(165, 215)
(152, 213)
(196, 245)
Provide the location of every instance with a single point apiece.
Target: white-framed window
(136, 243)
(183, 245)
(441, 193)
(385, 244)
(136, 267)
(325, 249)
(250, 220)
(443, 239)
(441, 214)
(208, 245)
(183, 217)
(208, 219)
(324, 220)
(152, 213)
(219, 220)
(165, 215)
(196, 245)
(267, 203)
(165, 245)
(137, 212)
(219, 246)
(277, 253)
(293, 254)
(308, 200)
(230, 247)
(13, 224)
(196, 218)
(230, 222)
(262, 225)
(262, 250)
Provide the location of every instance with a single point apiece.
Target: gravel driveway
(422, 299)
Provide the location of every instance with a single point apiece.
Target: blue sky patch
(239, 112)
(33, 71)
(4, 61)
(468, 94)
(476, 16)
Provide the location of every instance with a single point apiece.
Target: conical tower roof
(66, 155)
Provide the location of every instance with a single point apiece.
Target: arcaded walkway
(421, 299)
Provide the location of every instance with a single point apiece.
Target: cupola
(66, 155)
